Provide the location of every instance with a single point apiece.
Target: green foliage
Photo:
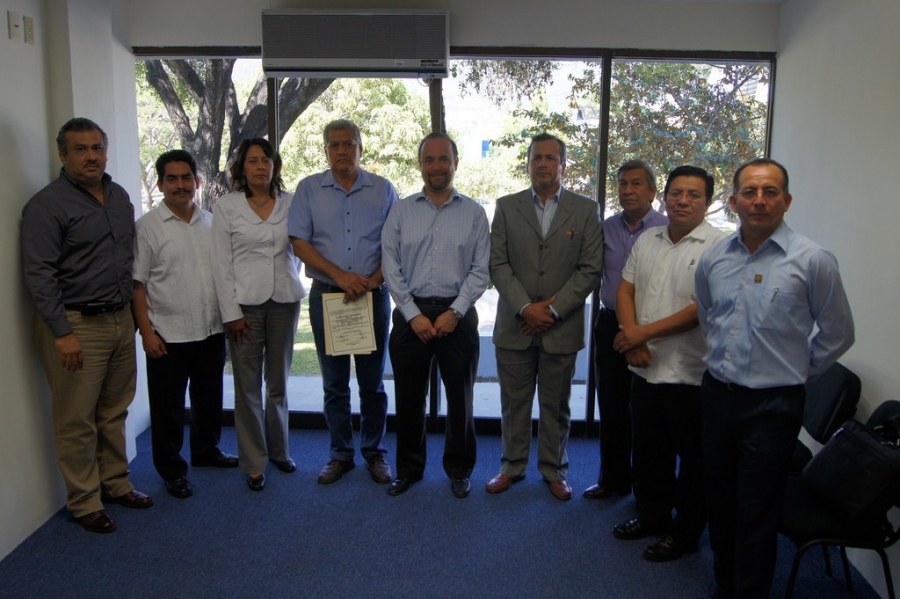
(392, 122)
(503, 81)
(665, 113)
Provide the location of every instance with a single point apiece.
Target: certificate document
(349, 328)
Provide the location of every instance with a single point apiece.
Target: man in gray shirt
(77, 248)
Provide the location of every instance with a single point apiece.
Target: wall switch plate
(29, 30)
(15, 25)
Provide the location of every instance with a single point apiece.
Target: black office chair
(807, 522)
(830, 401)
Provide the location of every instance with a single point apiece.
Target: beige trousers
(90, 406)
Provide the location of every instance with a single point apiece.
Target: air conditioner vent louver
(318, 43)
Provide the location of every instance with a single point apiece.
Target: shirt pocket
(777, 310)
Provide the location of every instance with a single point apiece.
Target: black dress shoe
(667, 549)
(257, 483)
(399, 486)
(604, 491)
(287, 465)
(179, 487)
(98, 521)
(637, 529)
(220, 460)
(460, 487)
(133, 499)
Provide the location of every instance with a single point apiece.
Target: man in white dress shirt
(177, 315)
(664, 349)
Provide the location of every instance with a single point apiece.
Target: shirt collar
(537, 199)
(362, 180)
(454, 195)
(165, 213)
(62, 173)
(780, 238)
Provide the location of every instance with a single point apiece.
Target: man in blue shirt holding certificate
(335, 228)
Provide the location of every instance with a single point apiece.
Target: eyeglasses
(693, 196)
(347, 145)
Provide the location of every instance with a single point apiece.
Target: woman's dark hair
(236, 170)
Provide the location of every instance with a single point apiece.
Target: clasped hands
(537, 317)
(425, 330)
(632, 342)
(355, 286)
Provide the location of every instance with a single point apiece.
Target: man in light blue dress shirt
(759, 294)
(435, 255)
(335, 227)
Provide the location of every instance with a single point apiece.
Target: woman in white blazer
(259, 293)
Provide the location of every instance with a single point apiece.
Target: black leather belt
(735, 388)
(434, 301)
(95, 309)
(325, 287)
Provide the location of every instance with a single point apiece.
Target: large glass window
(707, 113)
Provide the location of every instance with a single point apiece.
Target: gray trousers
(519, 371)
(262, 429)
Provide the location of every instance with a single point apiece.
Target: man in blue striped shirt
(435, 253)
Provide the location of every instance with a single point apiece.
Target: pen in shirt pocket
(774, 295)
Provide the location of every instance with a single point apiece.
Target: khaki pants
(90, 406)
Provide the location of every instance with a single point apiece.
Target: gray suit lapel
(563, 212)
(525, 205)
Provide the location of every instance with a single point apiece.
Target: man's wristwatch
(457, 314)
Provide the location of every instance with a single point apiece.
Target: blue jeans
(369, 375)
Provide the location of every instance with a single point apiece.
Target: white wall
(80, 66)
(835, 129)
(564, 23)
(32, 490)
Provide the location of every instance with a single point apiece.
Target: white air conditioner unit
(355, 43)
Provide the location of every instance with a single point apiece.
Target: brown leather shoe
(501, 483)
(98, 521)
(333, 470)
(379, 469)
(133, 499)
(560, 489)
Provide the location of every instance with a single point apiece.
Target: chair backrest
(889, 410)
(830, 401)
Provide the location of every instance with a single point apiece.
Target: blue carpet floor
(350, 539)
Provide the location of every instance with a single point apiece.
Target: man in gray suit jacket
(546, 256)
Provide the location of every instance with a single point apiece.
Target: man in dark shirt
(77, 247)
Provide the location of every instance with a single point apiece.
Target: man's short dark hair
(79, 123)
(633, 165)
(342, 125)
(547, 137)
(759, 162)
(438, 135)
(692, 171)
(174, 156)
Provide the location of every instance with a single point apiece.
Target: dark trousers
(457, 358)
(748, 439)
(614, 402)
(200, 363)
(667, 436)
